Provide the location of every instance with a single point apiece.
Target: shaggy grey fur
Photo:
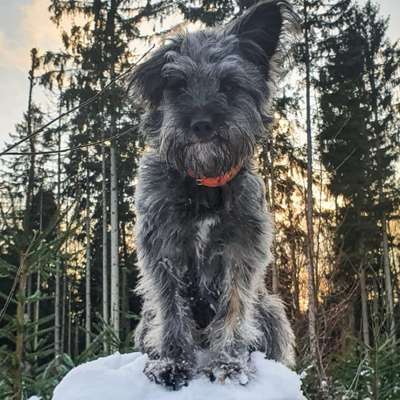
(203, 251)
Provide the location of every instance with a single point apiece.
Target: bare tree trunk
(31, 171)
(88, 265)
(395, 269)
(20, 330)
(388, 278)
(69, 317)
(57, 323)
(275, 275)
(124, 290)
(114, 244)
(309, 205)
(105, 229)
(63, 315)
(397, 275)
(364, 306)
(312, 308)
(76, 341)
(29, 292)
(294, 264)
(36, 315)
(319, 228)
(25, 278)
(124, 302)
(38, 282)
(57, 317)
(115, 301)
(266, 161)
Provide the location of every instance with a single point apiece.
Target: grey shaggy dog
(203, 230)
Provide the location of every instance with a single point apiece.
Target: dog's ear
(261, 29)
(146, 81)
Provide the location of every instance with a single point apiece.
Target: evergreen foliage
(358, 144)
(354, 73)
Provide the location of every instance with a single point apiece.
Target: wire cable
(64, 150)
(81, 105)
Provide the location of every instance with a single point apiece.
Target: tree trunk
(20, 330)
(309, 204)
(29, 292)
(364, 306)
(388, 279)
(57, 317)
(38, 281)
(274, 266)
(76, 341)
(105, 229)
(115, 304)
(114, 243)
(124, 290)
(266, 161)
(395, 269)
(63, 315)
(312, 309)
(88, 265)
(294, 264)
(31, 171)
(69, 319)
(318, 235)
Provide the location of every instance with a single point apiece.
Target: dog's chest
(205, 271)
(204, 219)
(204, 225)
(203, 235)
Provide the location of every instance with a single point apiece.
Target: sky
(25, 24)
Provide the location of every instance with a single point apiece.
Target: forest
(331, 166)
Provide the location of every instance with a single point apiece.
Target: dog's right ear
(146, 81)
(262, 29)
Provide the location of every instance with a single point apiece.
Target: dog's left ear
(261, 29)
(146, 81)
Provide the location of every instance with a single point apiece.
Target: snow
(120, 376)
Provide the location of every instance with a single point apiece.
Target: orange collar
(217, 180)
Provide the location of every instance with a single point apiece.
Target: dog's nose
(202, 128)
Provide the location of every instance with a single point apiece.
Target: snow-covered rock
(120, 377)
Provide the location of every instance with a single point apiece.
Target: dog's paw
(173, 374)
(227, 371)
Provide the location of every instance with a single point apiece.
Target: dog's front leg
(234, 329)
(174, 366)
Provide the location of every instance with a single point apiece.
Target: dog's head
(207, 92)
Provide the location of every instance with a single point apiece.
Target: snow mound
(120, 377)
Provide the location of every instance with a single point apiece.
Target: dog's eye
(227, 86)
(175, 84)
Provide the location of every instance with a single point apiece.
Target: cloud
(6, 54)
(38, 30)
(23, 27)
(33, 28)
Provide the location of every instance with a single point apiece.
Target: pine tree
(356, 141)
(382, 65)
(96, 52)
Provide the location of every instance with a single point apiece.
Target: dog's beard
(208, 159)
(230, 147)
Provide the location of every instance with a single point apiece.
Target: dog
(203, 231)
